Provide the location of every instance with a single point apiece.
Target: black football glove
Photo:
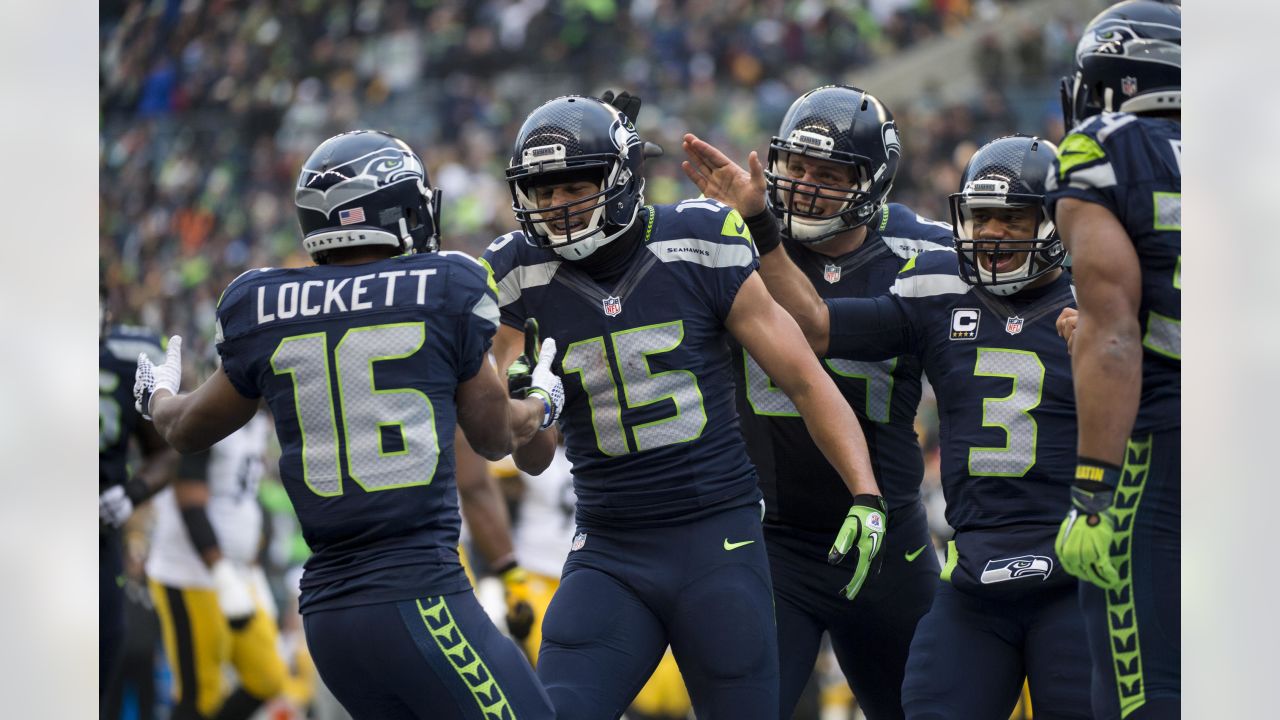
(625, 102)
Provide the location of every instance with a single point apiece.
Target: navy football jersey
(1006, 404)
(360, 364)
(801, 489)
(117, 418)
(648, 422)
(1132, 166)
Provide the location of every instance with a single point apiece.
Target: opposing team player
(669, 547)
(118, 488)
(828, 175)
(1117, 197)
(367, 361)
(210, 594)
(981, 319)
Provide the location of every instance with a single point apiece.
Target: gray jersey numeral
(1011, 413)
(640, 387)
(366, 409)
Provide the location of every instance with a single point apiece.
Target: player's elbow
(186, 443)
(492, 444)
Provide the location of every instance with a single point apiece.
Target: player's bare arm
(722, 179)
(774, 340)
(482, 504)
(1106, 345)
(159, 461)
(193, 421)
(494, 424)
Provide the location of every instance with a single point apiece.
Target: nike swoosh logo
(911, 556)
(739, 228)
(734, 546)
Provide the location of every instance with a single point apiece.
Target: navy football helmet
(366, 187)
(1129, 59)
(577, 138)
(1006, 173)
(842, 125)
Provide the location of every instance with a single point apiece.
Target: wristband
(1097, 474)
(764, 230)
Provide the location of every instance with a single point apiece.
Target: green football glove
(861, 537)
(520, 374)
(1084, 539)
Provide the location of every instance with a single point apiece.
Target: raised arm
(721, 179)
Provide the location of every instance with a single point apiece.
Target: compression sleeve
(868, 328)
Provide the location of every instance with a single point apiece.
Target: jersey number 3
(369, 414)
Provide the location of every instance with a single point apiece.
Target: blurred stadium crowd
(208, 109)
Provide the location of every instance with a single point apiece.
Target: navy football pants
(436, 657)
(1135, 631)
(871, 635)
(970, 655)
(702, 586)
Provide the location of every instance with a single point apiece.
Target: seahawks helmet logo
(1015, 568)
(323, 191)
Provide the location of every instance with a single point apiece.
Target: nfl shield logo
(578, 541)
(1013, 325)
(612, 306)
(831, 273)
(1129, 85)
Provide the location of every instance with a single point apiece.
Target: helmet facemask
(601, 150)
(844, 126)
(1029, 248)
(795, 201)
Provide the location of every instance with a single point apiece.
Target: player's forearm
(485, 511)
(796, 295)
(1106, 363)
(156, 470)
(836, 431)
(177, 422)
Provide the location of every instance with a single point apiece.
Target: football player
(1116, 192)
(367, 360)
(981, 319)
(669, 545)
(828, 176)
(119, 489)
(210, 595)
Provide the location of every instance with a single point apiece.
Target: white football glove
(545, 384)
(114, 506)
(150, 377)
(234, 597)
